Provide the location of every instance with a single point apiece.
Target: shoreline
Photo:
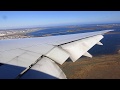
(16, 34)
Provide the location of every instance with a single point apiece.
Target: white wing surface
(37, 58)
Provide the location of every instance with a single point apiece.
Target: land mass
(17, 33)
(98, 67)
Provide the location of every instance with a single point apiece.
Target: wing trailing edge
(78, 48)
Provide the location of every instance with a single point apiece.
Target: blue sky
(16, 19)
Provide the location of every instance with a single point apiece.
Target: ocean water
(111, 42)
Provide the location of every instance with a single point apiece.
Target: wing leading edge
(37, 58)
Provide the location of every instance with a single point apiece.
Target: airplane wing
(38, 58)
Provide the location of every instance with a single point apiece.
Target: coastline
(16, 34)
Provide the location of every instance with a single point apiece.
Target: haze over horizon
(23, 19)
